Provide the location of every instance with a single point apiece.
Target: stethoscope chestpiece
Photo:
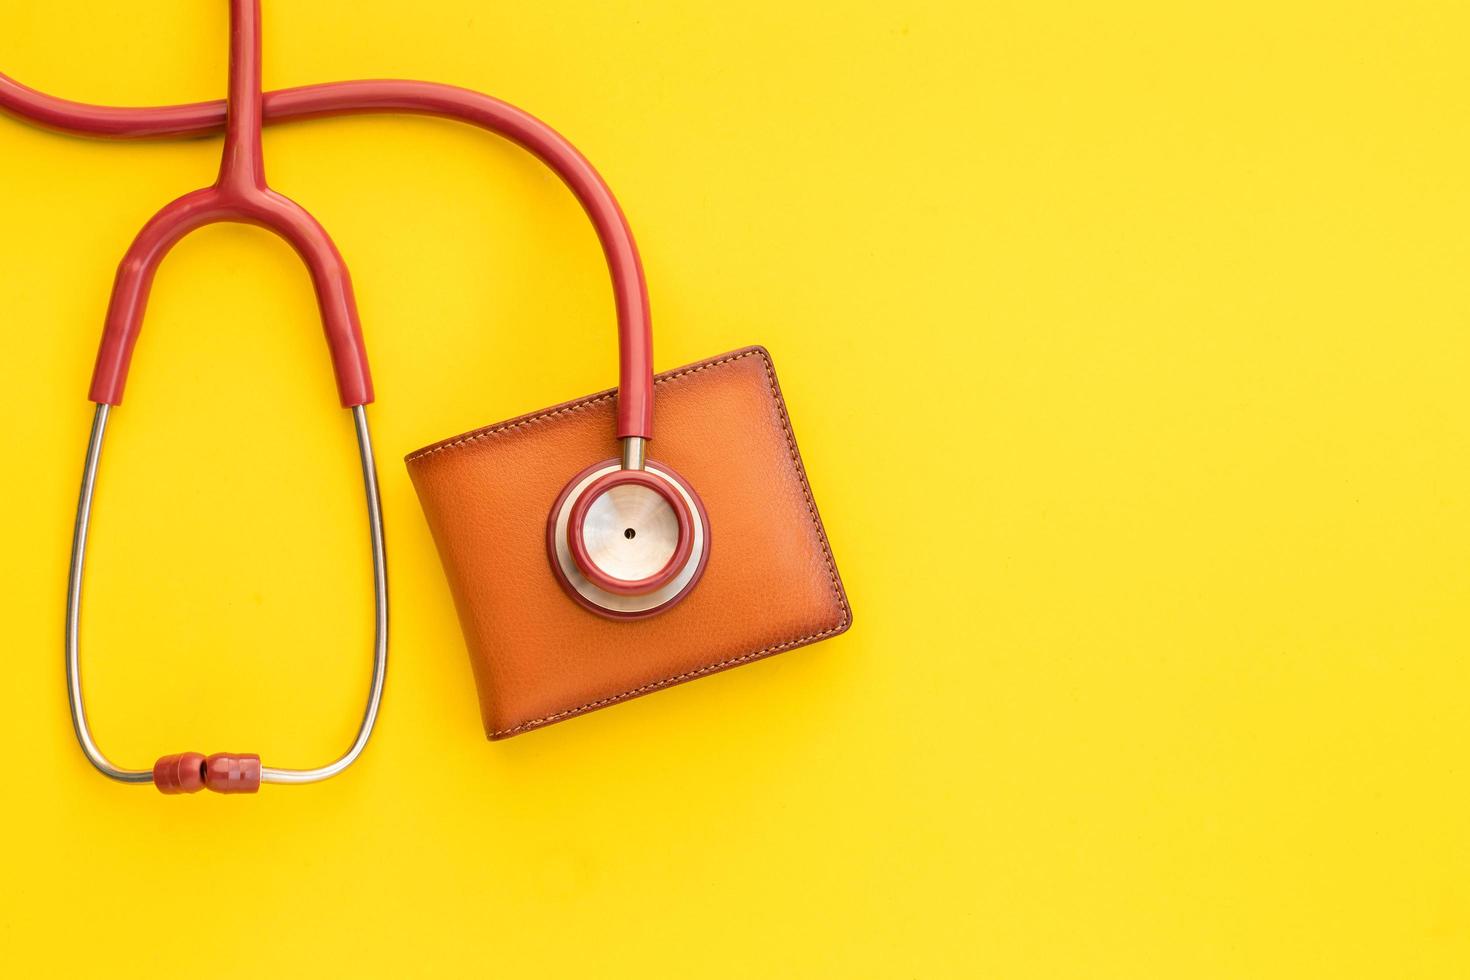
(627, 543)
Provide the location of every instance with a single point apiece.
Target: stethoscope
(627, 537)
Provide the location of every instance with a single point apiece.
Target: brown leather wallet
(538, 656)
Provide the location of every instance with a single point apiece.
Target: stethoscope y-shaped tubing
(635, 376)
(241, 194)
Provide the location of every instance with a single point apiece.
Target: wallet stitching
(806, 490)
(677, 678)
(579, 406)
(733, 661)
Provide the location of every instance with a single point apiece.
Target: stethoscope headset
(628, 538)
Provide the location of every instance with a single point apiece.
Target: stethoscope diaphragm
(627, 543)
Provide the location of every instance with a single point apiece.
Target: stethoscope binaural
(627, 538)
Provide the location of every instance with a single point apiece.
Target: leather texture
(771, 583)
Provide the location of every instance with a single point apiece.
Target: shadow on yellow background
(1125, 344)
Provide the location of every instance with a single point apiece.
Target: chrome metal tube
(380, 621)
(74, 603)
(634, 449)
(74, 612)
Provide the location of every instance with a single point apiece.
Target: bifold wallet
(539, 657)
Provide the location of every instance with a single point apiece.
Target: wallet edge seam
(578, 404)
(843, 623)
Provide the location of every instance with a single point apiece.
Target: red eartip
(227, 773)
(182, 773)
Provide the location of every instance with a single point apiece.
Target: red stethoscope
(627, 537)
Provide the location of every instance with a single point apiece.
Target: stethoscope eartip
(223, 772)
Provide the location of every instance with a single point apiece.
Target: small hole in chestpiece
(630, 534)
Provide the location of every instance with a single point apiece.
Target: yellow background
(1126, 346)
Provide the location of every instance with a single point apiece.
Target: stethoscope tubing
(635, 386)
(242, 194)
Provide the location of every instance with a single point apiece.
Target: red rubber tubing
(635, 375)
(242, 195)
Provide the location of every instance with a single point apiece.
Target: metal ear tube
(221, 772)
